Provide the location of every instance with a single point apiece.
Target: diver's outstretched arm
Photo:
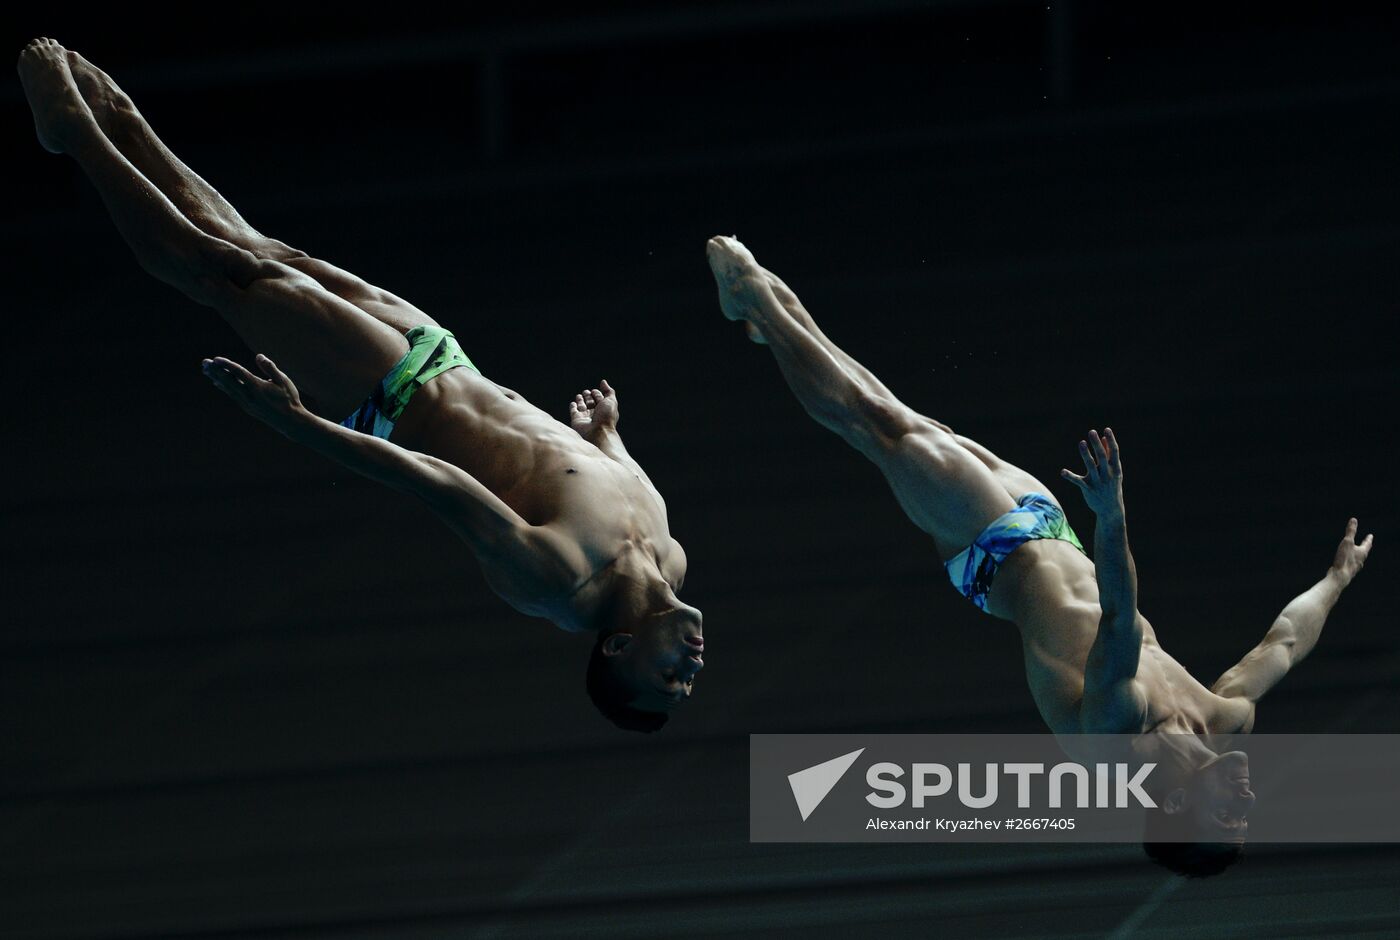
(483, 520)
(1112, 699)
(1295, 631)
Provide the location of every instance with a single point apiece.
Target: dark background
(246, 693)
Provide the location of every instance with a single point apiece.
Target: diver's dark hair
(1188, 859)
(613, 697)
(1193, 859)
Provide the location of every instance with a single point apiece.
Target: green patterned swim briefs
(431, 352)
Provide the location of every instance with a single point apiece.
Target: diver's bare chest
(1176, 701)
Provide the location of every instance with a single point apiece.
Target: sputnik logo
(810, 786)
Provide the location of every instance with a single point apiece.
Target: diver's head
(1201, 821)
(643, 666)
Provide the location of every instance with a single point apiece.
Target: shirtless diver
(1092, 660)
(564, 523)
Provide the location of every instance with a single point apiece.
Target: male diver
(1092, 660)
(564, 523)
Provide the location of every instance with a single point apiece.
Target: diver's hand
(1102, 482)
(273, 400)
(593, 410)
(1351, 556)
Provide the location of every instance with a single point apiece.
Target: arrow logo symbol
(810, 786)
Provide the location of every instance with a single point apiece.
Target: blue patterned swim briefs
(1035, 517)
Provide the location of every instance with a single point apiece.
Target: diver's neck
(1184, 750)
(636, 590)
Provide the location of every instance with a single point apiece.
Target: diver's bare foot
(740, 280)
(111, 107)
(53, 97)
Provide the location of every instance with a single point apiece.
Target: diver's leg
(1014, 480)
(941, 486)
(332, 349)
(794, 307)
(202, 204)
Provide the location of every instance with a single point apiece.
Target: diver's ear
(1174, 802)
(616, 643)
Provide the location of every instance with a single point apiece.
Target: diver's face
(1219, 799)
(659, 660)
